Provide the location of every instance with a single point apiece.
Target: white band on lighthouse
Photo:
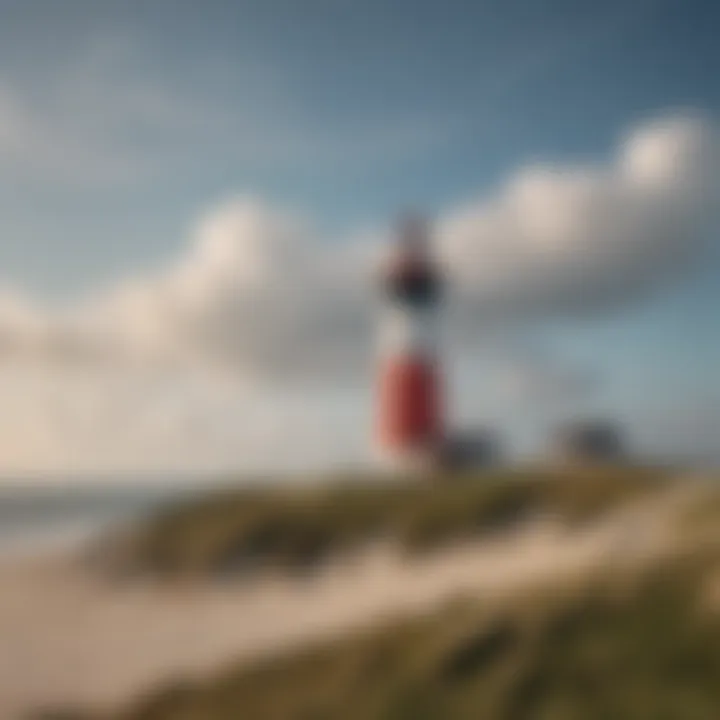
(409, 332)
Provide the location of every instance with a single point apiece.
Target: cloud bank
(258, 297)
(258, 293)
(571, 240)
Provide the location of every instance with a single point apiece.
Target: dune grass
(617, 645)
(612, 648)
(235, 532)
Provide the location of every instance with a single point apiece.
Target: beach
(73, 638)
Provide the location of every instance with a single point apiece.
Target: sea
(39, 516)
(36, 516)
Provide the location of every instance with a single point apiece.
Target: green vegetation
(240, 531)
(703, 515)
(622, 644)
(614, 648)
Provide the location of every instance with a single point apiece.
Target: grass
(235, 532)
(613, 648)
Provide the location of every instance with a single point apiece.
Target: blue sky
(357, 107)
(122, 124)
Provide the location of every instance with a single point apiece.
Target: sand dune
(69, 638)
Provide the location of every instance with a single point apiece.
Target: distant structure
(471, 448)
(589, 441)
(410, 425)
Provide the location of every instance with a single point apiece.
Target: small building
(589, 441)
(471, 448)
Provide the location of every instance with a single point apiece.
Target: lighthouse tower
(409, 422)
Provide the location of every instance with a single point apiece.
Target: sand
(70, 638)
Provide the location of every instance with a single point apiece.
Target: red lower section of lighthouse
(410, 417)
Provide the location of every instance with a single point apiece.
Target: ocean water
(36, 517)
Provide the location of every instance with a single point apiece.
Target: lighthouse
(409, 423)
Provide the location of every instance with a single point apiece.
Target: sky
(193, 197)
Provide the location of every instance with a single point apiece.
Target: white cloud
(255, 293)
(70, 422)
(572, 239)
(258, 292)
(260, 296)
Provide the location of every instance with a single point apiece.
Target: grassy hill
(615, 644)
(617, 648)
(236, 532)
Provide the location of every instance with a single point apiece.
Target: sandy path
(68, 639)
